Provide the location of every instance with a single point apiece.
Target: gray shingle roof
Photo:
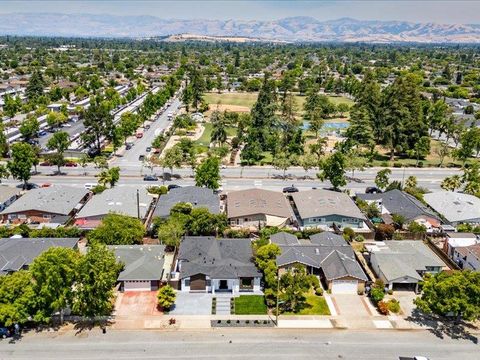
(197, 196)
(119, 200)
(7, 192)
(455, 207)
(401, 203)
(327, 251)
(316, 203)
(405, 258)
(283, 238)
(54, 199)
(257, 201)
(217, 258)
(18, 253)
(141, 262)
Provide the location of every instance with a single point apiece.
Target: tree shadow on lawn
(443, 327)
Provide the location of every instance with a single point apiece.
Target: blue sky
(446, 11)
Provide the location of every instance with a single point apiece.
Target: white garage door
(137, 286)
(344, 286)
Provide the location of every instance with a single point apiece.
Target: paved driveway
(192, 304)
(350, 305)
(406, 301)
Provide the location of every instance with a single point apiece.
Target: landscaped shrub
(384, 231)
(394, 306)
(318, 291)
(348, 234)
(313, 280)
(359, 238)
(377, 295)
(397, 165)
(398, 236)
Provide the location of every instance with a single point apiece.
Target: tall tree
(29, 128)
(60, 141)
(20, 165)
(35, 86)
(118, 229)
(208, 173)
(98, 124)
(333, 170)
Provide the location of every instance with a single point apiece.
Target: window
(209, 282)
(187, 282)
(46, 216)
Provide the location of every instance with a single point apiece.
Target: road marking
(257, 183)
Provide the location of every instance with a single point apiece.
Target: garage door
(197, 282)
(344, 286)
(137, 286)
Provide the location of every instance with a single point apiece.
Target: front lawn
(315, 305)
(250, 305)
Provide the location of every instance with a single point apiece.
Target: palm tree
(451, 183)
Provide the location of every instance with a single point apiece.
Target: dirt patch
(137, 303)
(225, 107)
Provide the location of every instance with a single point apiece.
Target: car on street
(128, 146)
(141, 157)
(224, 166)
(89, 186)
(4, 333)
(148, 149)
(150, 178)
(42, 133)
(45, 163)
(45, 185)
(290, 189)
(372, 190)
(71, 164)
(413, 358)
(173, 186)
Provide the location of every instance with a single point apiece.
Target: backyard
(250, 305)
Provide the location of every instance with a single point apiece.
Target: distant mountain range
(293, 29)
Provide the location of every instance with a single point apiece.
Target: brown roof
(257, 201)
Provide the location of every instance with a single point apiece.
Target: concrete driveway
(351, 305)
(406, 301)
(192, 304)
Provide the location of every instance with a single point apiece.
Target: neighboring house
(456, 240)
(116, 200)
(18, 253)
(257, 208)
(54, 204)
(207, 264)
(143, 266)
(400, 203)
(324, 208)
(402, 264)
(327, 255)
(8, 195)
(468, 257)
(196, 196)
(456, 208)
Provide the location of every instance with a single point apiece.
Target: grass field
(315, 305)
(248, 99)
(250, 305)
(204, 140)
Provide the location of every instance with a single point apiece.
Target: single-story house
(468, 257)
(456, 240)
(327, 255)
(257, 208)
(456, 208)
(54, 204)
(207, 264)
(402, 264)
(400, 203)
(126, 201)
(18, 253)
(143, 266)
(8, 195)
(196, 196)
(323, 208)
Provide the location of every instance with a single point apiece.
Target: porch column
(212, 283)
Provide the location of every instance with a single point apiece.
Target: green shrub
(318, 291)
(394, 306)
(397, 165)
(377, 295)
(99, 189)
(313, 280)
(359, 238)
(420, 164)
(348, 233)
(398, 236)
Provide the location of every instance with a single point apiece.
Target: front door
(223, 285)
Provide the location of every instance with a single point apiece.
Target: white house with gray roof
(118, 200)
(207, 264)
(143, 266)
(402, 264)
(326, 255)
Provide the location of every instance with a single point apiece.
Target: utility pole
(138, 204)
(278, 290)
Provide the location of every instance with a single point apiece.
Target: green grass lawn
(315, 305)
(250, 305)
(205, 139)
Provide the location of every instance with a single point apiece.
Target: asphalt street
(238, 344)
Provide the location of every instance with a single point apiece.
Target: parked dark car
(148, 149)
(150, 178)
(4, 333)
(29, 186)
(71, 164)
(128, 146)
(290, 189)
(372, 190)
(141, 158)
(46, 163)
(173, 186)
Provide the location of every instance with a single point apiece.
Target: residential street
(238, 344)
